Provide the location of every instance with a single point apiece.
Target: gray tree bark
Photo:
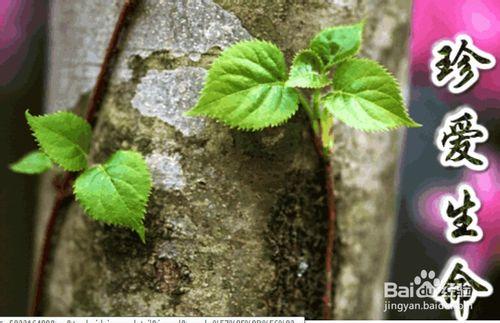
(236, 222)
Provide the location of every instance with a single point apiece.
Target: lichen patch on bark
(166, 170)
(169, 94)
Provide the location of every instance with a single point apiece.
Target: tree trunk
(236, 223)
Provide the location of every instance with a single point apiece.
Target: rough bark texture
(236, 223)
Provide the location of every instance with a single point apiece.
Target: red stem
(61, 196)
(331, 222)
(102, 77)
(64, 190)
(330, 195)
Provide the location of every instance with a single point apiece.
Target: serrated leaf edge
(40, 146)
(330, 65)
(399, 98)
(143, 203)
(231, 125)
(253, 129)
(308, 50)
(234, 47)
(209, 77)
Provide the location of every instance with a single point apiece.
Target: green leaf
(245, 88)
(367, 97)
(63, 137)
(306, 71)
(34, 162)
(117, 191)
(338, 43)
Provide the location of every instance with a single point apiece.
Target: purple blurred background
(22, 66)
(420, 240)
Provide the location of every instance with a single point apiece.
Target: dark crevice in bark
(296, 234)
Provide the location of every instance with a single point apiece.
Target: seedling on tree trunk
(115, 192)
(248, 88)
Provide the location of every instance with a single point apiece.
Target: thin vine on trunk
(64, 189)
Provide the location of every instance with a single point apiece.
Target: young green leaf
(306, 71)
(34, 162)
(63, 137)
(367, 97)
(245, 88)
(117, 191)
(337, 43)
